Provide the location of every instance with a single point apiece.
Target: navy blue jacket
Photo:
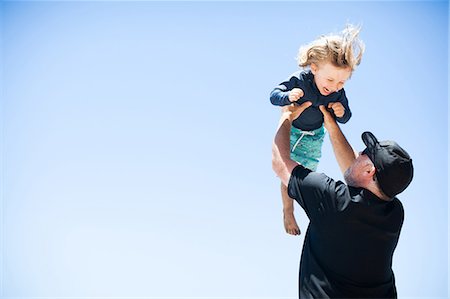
(311, 118)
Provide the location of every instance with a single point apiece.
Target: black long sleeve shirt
(311, 118)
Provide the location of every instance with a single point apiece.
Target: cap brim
(369, 140)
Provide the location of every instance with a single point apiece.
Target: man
(354, 228)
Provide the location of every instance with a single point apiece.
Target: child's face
(329, 78)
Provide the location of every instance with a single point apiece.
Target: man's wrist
(332, 128)
(287, 115)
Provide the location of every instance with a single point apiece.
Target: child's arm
(288, 91)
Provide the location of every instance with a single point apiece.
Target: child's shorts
(306, 146)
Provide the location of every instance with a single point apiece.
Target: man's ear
(370, 170)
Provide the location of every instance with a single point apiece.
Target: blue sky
(136, 143)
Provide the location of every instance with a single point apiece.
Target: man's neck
(374, 189)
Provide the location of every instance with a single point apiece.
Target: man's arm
(342, 149)
(281, 158)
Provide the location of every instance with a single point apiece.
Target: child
(327, 63)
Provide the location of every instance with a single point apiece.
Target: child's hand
(338, 109)
(295, 94)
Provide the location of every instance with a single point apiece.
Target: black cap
(394, 169)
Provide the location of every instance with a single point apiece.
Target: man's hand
(295, 94)
(338, 109)
(293, 111)
(328, 119)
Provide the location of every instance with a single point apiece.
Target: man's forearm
(282, 163)
(342, 149)
(281, 160)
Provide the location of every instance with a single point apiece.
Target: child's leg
(306, 152)
(290, 225)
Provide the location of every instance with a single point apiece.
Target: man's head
(385, 163)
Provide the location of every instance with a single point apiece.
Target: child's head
(332, 58)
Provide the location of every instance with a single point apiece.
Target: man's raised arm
(281, 158)
(342, 149)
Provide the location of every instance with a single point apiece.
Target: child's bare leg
(290, 225)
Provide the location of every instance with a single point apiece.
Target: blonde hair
(341, 50)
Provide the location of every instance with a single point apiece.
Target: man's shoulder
(301, 172)
(318, 182)
(397, 204)
(317, 192)
(319, 178)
